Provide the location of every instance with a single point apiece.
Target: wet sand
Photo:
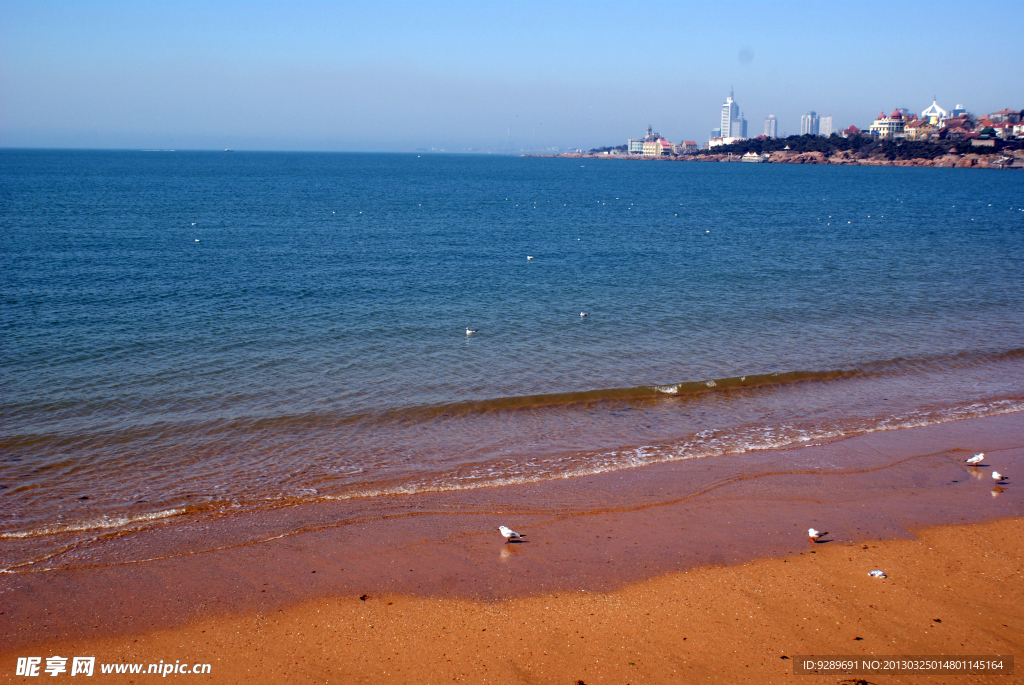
(668, 540)
(953, 590)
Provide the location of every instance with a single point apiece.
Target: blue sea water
(182, 330)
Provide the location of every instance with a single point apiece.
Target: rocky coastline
(1008, 160)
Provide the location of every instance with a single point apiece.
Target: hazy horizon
(323, 76)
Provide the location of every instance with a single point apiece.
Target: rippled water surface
(183, 332)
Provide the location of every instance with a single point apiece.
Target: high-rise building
(825, 126)
(730, 114)
(809, 124)
(771, 127)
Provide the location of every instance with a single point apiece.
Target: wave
(99, 523)
(564, 400)
(704, 444)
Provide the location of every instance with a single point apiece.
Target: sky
(402, 76)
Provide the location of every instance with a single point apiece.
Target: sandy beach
(679, 573)
(953, 590)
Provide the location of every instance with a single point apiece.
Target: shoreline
(592, 534)
(952, 590)
(950, 161)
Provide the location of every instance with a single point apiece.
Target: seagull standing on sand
(470, 331)
(815, 534)
(976, 459)
(998, 477)
(509, 534)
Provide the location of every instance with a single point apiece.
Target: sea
(184, 334)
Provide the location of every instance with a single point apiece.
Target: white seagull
(877, 574)
(470, 331)
(976, 459)
(815, 534)
(996, 476)
(582, 314)
(529, 258)
(509, 534)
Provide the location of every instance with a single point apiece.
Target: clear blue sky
(397, 76)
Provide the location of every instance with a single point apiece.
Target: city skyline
(332, 76)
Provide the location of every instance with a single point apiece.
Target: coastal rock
(842, 157)
(791, 157)
(945, 161)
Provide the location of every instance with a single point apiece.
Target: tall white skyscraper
(771, 127)
(809, 124)
(730, 114)
(733, 123)
(825, 126)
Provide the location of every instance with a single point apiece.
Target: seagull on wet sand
(470, 331)
(996, 476)
(815, 534)
(976, 459)
(509, 534)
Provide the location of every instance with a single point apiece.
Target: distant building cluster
(936, 124)
(653, 145)
(933, 124)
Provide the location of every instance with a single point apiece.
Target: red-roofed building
(851, 131)
(954, 133)
(1004, 130)
(888, 126)
(1009, 116)
(918, 130)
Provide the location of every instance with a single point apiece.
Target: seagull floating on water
(509, 534)
(470, 331)
(815, 534)
(584, 314)
(976, 459)
(996, 476)
(529, 258)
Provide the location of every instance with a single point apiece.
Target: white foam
(101, 523)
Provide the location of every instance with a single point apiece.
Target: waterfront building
(686, 147)
(887, 127)
(635, 146)
(825, 126)
(809, 124)
(920, 129)
(771, 127)
(657, 148)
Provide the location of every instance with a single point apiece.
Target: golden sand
(953, 590)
